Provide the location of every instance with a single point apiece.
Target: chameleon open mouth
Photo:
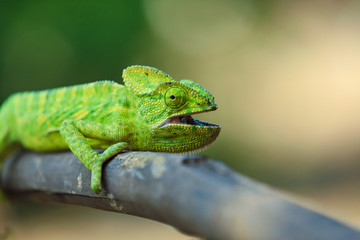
(187, 120)
(184, 134)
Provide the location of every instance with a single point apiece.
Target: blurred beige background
(285, 74)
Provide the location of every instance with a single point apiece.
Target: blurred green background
(285, 75)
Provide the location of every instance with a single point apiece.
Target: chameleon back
(36, 117)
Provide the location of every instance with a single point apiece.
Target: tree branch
(195, 194)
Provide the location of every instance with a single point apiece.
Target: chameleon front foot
(96, 179)
(96, 165)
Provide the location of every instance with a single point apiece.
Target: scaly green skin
(111, 116)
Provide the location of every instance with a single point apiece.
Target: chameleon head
(167, 106)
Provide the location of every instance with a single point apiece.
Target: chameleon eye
(175, 97)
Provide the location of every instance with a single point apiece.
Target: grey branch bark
(195, 194)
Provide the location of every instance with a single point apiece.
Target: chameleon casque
(152, 112)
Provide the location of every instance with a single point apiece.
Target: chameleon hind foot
(96, 165)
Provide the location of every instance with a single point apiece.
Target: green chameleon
(152, 112)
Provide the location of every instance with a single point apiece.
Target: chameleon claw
(96, 178)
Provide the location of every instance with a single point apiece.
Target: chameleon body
(152, 112)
